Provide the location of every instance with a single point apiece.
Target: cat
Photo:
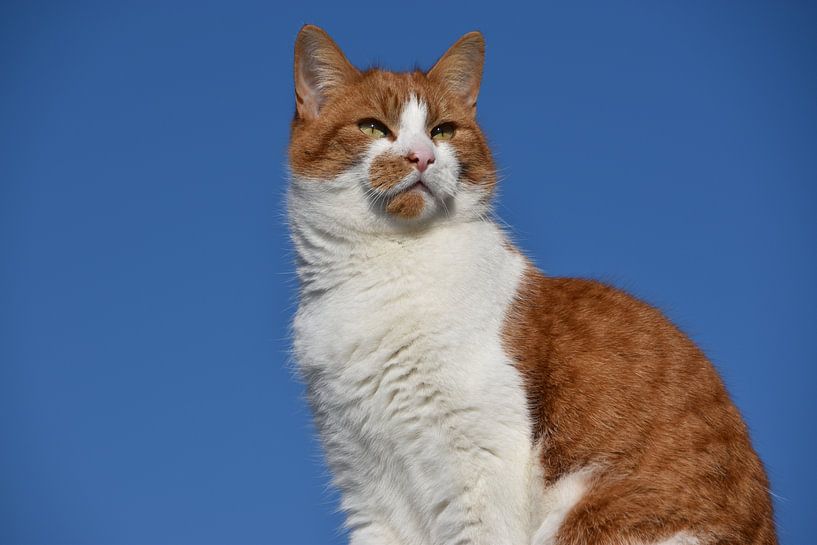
(461, 396)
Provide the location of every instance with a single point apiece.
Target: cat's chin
(413, 205)
(423, 205)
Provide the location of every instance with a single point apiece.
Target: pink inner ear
(461, 67)
(319, 66)
(308, 99)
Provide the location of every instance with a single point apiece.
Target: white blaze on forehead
(412, 131)
(413, 116)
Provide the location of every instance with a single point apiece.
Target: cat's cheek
(474, 156)
(444, 175)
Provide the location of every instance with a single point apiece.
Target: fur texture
(461, 396)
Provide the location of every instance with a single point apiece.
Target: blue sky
(146, 282)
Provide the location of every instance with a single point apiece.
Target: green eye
(443, 131)
(373, 128)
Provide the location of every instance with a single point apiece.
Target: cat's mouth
(420, 186)
(412, 185)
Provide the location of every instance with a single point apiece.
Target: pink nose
(421, 157)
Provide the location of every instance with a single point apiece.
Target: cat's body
(461, 396)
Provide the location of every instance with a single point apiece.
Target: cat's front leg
(491, 507)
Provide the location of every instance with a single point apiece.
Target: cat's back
(615, 386)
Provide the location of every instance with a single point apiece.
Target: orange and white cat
(462, 397)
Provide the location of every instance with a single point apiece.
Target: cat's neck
(328, 256)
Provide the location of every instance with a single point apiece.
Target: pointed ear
(320, 67)
(461, 67)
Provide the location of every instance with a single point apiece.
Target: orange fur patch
(406, 205)
(388, 170)
(612, 383)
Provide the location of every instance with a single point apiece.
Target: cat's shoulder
(578, 317)
(580, 301)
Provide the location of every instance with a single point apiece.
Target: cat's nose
(421, 157)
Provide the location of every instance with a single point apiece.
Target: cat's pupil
(373, 128)
(443, 131)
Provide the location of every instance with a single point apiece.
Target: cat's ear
(460, 69)
(320, 67)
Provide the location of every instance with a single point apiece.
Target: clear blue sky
(145, 274)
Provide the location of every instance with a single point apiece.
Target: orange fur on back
(612, 383)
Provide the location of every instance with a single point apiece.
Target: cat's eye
(443, 131)
(373, 128)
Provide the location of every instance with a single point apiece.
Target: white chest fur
(422, 415)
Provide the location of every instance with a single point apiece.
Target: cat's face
(379, 151)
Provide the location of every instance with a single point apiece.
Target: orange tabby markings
(406, 205)
(388, 170)
(611, 382)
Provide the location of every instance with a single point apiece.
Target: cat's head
(378, 151)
